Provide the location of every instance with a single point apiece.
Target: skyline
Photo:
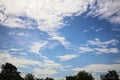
(57, 38)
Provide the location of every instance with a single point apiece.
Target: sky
(58, 38)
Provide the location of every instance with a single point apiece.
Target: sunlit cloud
(35, 48)
(67, 57)
(19, 62)
(99, 47)
(107, 9)
(99, 43)
(38, 71)
(99, 67)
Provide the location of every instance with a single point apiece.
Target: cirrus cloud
(67, 57)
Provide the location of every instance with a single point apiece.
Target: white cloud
(117, 60)
(52, 45)
(14, 22)
(98, 50)
(99, 67)
(61, 39)
(97, 30)
(67, 57)
(19, 34)
(99, 43)
(19, 62)
(22, 62)
(14, 49)
(35, 48)
(38, 71)
(26, 63)
(99, 47)
(106, 9)
(86, 30)
(50, 64)
(48, 14)
(85, 49)
(106, 50)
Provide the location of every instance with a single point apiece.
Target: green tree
(48, 78)
(70, 77)
(111, 75)
(29, 76)
(9, 72)
(38, 79)
(82, 75)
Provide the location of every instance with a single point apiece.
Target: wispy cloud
(107, 9)
(22, 62)
(97, 42)
(35, 48)
(38, 71)
(99, 67)
(18, 61)
(97, 30)
(50, 18)
(50, 64)
(99, 47)
(85, 49)
(67, 57)
(106, 50)
(15, 49)
(19, 34)
(61, 40)
(117, 60)
(86, 30)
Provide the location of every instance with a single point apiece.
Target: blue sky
(57, 38)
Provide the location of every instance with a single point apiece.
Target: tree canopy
(111, 75)
(9, 72)
(48, 78)
(82, 75)
(29, 76)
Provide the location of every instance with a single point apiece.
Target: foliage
(48, 78)
(9, 72)
(70, 77)
(38, 79)
(111, 75)
(29, 76)
(82, 75)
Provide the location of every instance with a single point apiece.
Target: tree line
(10, 72)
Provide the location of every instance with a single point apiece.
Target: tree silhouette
(38, 79)
(9, 72)
(29, 76)
(48, 78)
(82, 75)
(70, 77)
(111, 75)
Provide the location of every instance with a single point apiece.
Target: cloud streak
(107, 9)
(67, 57)
(99, 67)
(99, 47)
(48, 16)
(23, 62)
